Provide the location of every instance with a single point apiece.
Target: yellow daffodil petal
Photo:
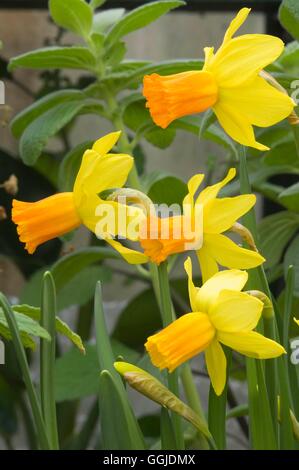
(209, 55)
(216, 365)
(131, 256)
(236, 125)
(211, 192)
(229, 254)
(235, 311)
(296, 321)
(110, 171)
(242, 58)
(193, 291)
(88, 160)
(207, 263)
(87, 209)
(236, 23)
(251, 344)
(180, 341)
(221, 214)
(99, 149)
(232, 279)
(259, 102)
(193, 185)
(106, 143)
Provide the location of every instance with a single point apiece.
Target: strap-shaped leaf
(118, 431)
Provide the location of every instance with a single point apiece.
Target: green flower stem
(194, 402)
(21, 356)
(124, 143)
(259, 404)
(167, 318)
(47, 359)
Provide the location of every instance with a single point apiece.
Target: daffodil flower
(229, 83)
(214, 217)
(221, 314)
(56, 215)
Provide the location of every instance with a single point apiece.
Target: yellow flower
(219, 215)
(229, 83)
(56, 215)
(206, 218)
(221, 313)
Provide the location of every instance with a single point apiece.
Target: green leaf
(142, 312)
(115, 418)
(139, 18)
(27, 326)
(70, 166)
(290, 56)
(168, 441)
(61, 327)
(168, 190)
(103, 20)
(289, 16)
(67, 267)
(290, 198)
(75, 15)
(282, 153)
(275, 231)
(37, 134)
(32, 112)
(98, 42)
(292, 259)
(48, 167)
(213, 132)
(47, 359)
(77, 375)
(115, 409)
(64, 270)
(97, 3)
(77, 290)
(55, 58)
(115, 54)
(80, 289)
(208, 119)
